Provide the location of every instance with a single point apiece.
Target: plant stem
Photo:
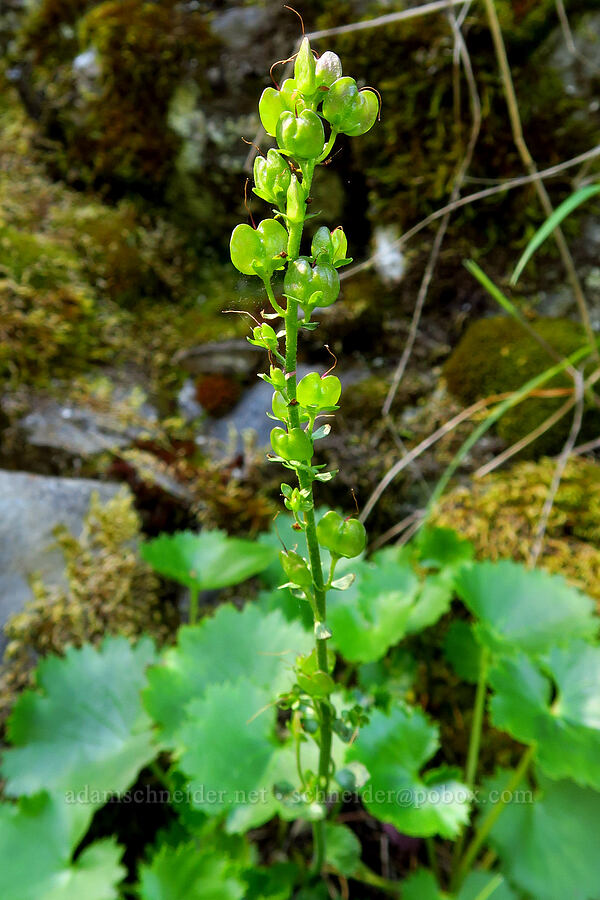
(432, 857)
(193, 605)
(474, 740)
(314, 553)
(492, 817)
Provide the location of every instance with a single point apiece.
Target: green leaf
(85, 730)
(440, 548)
(565, 729)
(524, 609)
(552, 222)
(421, 885)
(477, 886)
(549, 847)
(373, 613)
(275, 883)
(208, 560)
(230, 645)
(480, 885)
(342, 849)
(225, 773)
(433, 599)
(394, 749)
(189, 871)
(462, 650)
(38, 837)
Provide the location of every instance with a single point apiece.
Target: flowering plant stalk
(305, 115)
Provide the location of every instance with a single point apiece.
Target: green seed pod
(270, 106)
(322, 245)
(294, 444)
(344, 537)
(296, 202)
(296, 569)
(258, 251)
(302, 135)
(272, 177)
(264, 336)
(328, 69)
(312, 286)
(316, 393)
(349, 110)
(304, 69)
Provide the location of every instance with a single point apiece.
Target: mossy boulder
(497, 355)
(500, 515)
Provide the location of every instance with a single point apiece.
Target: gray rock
(30, 508)
(237, 27)
(577, 70)
(83, 431)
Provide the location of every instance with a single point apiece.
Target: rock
(30, 507)
(388, 260)
(238, 27)
(233, 356)
(578, 71)
(80, 429)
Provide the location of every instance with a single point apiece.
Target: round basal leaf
(206, 561)
(273, 883)
(249, 644)
(440, 548)
(188, 871)
(433, 599)
(226, 747)
(462, 650)
(549, 847)
(342, 849)
(38, 837)
(394, 749)
(373, 613)
(565, 728)
(525, 609)
(85, 731)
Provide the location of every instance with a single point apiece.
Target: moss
(497, 355)
(117, 129)
(500, 516)
(109, 591)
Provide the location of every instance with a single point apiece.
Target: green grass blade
(560, 213)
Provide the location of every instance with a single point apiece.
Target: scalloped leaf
(524, 609)
(225, 775)
(462, 650)
(38, 837)
(549, 848)
(208, 560)
(394, 749)
(230, 645)
(85, 728)
(565, 729)
(186, 871)
(373, 613)
(342, 848)
(442, 548)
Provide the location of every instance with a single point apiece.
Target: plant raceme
(242, 721)
(305, 116)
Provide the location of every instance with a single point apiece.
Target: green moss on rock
(500, 515)
(497, 355)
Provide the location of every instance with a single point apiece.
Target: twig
(507, 185)
(389, 19)
(568, 36)
(587, 447)
(529, 163)
(533, 435)
(463, 53)
(559, 471)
